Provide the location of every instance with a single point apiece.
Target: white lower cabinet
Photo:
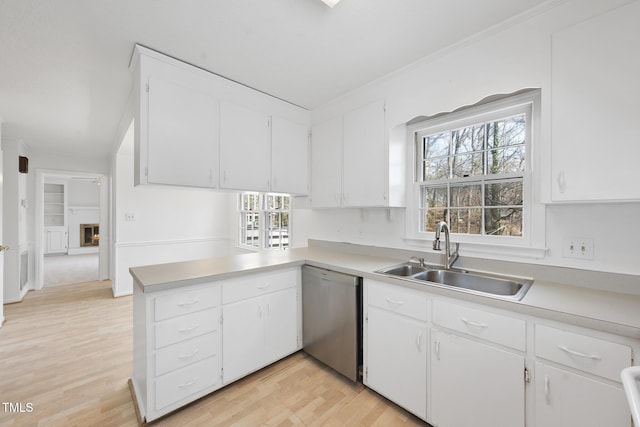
(475, 384)
(397, 359)
(565, 398)
(577, 380)
(192, 340)
(396, 344)
(177, 347)
(260, 321)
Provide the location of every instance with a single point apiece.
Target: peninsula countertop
(597, 309)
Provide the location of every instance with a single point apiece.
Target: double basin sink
(498, 286)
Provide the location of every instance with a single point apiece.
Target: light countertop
(597, 309)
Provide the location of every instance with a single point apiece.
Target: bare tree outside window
(472, 177)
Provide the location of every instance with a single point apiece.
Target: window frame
(533, 223)
(262, 212)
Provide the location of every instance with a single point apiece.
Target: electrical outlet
(129, 216)
(577, 247)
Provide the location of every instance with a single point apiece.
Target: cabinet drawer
(185, 302)
(181, 328)
(258, 284)
(186, 382)
(593, 355)
(492, 327)
(186, 352)
(397, 299)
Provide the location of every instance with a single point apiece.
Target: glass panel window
(472, 176)
(264, 220)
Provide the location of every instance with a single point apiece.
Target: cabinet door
(183, 135)
(281, 324)
(289, 157)
(245, 152)
(595, 108)
(474, 384)
(326, 164)
(242, 338)
(57, 241)
(366, 162)
(397, 359)
(564, 399)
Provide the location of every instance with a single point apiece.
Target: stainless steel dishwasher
(332, 319)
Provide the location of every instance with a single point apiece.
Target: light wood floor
(67, 351)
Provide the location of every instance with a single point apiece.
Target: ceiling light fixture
(331, 3)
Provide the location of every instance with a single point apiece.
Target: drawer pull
(419, 341)
(263, 286)
(577, 353)
(188, 355)
(192, 328)
(187, 303)
(188, 383)
(394, 301)
(470, 323)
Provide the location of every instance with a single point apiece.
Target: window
(264, 220)
(473, 171)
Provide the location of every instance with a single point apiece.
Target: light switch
(129, 216)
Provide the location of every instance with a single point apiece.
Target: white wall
(171, 223)
(504, 60)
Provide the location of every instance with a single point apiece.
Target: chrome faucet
(450, 258)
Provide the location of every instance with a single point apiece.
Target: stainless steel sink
(404, 270)
(472, 282)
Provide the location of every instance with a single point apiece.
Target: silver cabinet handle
(185, 303)
(546, 387)
(192, 328)
(394, 301)
(188, 355)
(188, 383)
(437, 348)
(577, 353)
(419, 341)
(476, 324)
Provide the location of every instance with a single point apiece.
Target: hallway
(70, 269)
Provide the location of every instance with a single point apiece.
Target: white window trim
(532, 244)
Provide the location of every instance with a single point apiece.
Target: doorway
(71, 220)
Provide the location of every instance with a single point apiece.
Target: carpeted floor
(68, 269)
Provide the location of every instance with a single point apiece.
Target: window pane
(503, 221)
(466, 221)
(466, 195)
(435, 197)
(433, 217)
(436, 145)
(503, 193)
(436, 168)
(468, 139)
(468, 165)
(505, 132)
(506, 160)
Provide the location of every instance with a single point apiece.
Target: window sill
(485, 250)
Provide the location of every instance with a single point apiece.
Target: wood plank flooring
(67, 351)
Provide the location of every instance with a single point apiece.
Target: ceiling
(64, 77)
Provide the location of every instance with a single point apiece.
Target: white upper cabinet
(197, 129)
(244, 148)
(182, 135)
(289, 156)
(355, 162)
(326, 164)
(365, 162)
(595, 108)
